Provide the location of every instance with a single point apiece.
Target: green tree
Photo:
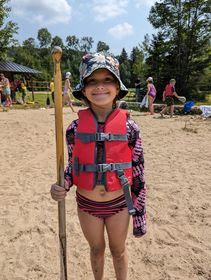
(44, 37)
(6, 30)
(184, 27)
(57, 41)
(102, 46)
(137, 64)
(125, 68)
(86, 44)
(72, 42)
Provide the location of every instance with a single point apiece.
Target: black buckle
(104, 167)
(103, 136)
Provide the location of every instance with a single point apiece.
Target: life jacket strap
(125, 185)
(102, 167)
(93, 137)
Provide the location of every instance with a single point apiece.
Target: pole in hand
(57, 54)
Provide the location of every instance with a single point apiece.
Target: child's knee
(97, 250)
(117, 252)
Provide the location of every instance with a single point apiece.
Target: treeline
(180, 49)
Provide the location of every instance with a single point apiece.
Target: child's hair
(172, 80)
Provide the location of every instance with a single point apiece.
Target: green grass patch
(206, 102)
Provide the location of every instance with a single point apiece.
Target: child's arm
(138, 188)
(70, 140)
(164, 95)
(58, 193)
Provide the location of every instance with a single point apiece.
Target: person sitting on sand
(168, 97)
(105, 159)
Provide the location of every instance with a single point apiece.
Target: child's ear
(83, 91)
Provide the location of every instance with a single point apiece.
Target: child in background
(105, 162)
(23, 91)
(52, 89)
(151, 93)
(168, 97)
(67, 91)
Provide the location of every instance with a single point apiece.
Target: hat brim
(77, 92)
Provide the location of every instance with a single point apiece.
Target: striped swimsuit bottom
(103, 209)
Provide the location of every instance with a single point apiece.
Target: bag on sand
(144, 102)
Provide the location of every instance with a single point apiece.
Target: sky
(118, 23)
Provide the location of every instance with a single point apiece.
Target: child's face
(101, 88)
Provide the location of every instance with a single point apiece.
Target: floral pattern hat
(91, 62)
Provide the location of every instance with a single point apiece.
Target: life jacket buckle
(103, 136)
(103, 167)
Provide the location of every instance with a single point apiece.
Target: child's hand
(58, 193)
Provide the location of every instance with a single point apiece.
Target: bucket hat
(67, 75)
(94, 61)
(150, 79)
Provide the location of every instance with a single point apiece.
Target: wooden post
(57, 53)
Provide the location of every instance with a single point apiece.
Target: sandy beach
(177, 245)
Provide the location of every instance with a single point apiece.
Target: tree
(57, 41)
(44, 37)
(72, 42)
(184, 27)
(137, 64)
(29, 43)
(6, 31)
(86, 44)
(125, 68)
(102, 46)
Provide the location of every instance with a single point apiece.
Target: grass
(206, 102)
(40, 100)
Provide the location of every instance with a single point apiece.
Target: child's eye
(109, 81)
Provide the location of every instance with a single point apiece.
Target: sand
(178, 173)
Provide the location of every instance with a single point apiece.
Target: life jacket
(117, 167)
(169, 90)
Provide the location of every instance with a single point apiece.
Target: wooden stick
(57, 53)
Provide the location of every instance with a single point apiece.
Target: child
(67, 90)
(52, 89)
(168, 97)
(23, 91)
(105, 156)
(6, 89)
(151, 93)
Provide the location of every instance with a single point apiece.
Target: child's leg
(172, 110)
(70, 103)
(93, 230)
(151, 107)
(117, 229)
(164, 110)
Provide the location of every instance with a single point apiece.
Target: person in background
(52, 89)
(23, 91)
(6, 89)
(67, 91)
(151, 93)
(168, 97)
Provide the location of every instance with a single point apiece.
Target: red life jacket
(169, 90)
(118, 156)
